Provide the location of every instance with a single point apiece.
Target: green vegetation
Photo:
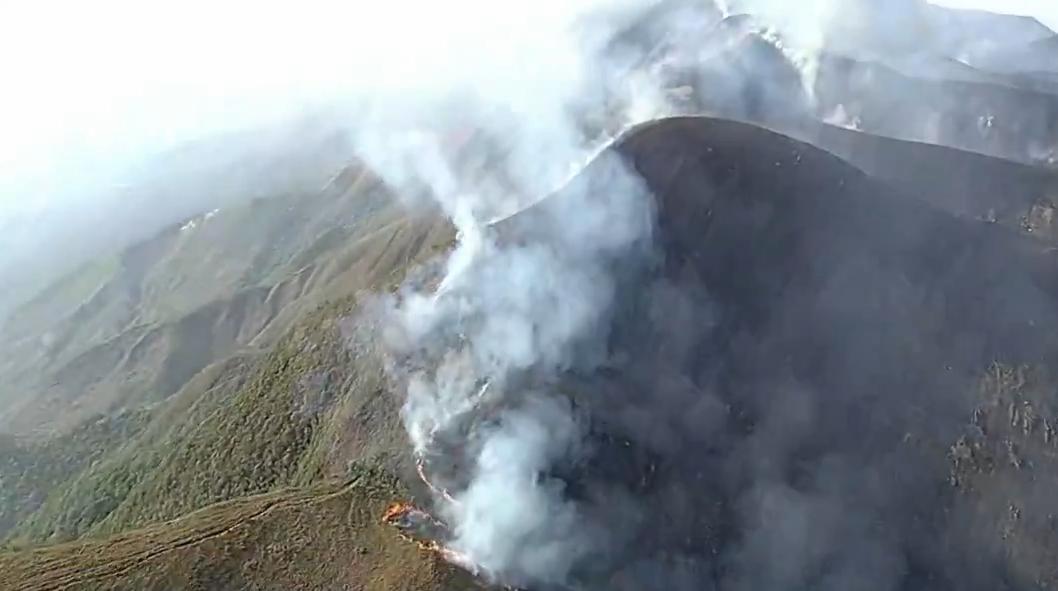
(234, 385)
(272, 427)
(291, 415)
(30, 470)
(64, 295)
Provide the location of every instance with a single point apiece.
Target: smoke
(98, 92)
(481, 354)
(481, 110)
(522, 300)
(484, 348)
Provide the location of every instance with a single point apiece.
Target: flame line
(420, 467)
(399, 510)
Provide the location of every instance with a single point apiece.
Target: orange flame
(396, 511)
(399, 510)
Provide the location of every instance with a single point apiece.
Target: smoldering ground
(715, 359)
(767, 399)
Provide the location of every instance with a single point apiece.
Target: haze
(94, 89)
(90, 86)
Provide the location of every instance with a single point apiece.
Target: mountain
(187, 366)
(834, 370)
(138, 199)
(135, 327)
(798, 369)
(965, 184)
(853, 348)
(748, 67)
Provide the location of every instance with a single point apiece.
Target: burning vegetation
(425, 530)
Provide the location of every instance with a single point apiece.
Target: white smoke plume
(480, 352)
(481, 109)
(533, 93)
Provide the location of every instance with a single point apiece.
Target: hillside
(827, 362)
(897, 83)
(323, 537)
(799, 364)
(963, 183)
(133, 328)
(844, 369)
(285, 417)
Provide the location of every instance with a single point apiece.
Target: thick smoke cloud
(481, 109)
(480, 356)
(480, 353)
(485, 350)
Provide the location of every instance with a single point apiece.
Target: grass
(267, 470)
(30, 470)
(328, 537)
(290, 416)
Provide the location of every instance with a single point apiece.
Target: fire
(396, 511)
(423, 529)
(406, 517)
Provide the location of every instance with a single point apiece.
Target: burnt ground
(793, 372)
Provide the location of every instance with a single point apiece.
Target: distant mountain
(85, 222)
(744, 66)
(132, 328)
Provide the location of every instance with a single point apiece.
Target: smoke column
(478, 354)
(529, 291)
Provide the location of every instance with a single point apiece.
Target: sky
(88, 85)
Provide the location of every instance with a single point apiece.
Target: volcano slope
(817, 382)
(797, 395)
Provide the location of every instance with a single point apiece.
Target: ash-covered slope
(966, 184)
(998, 116)
(786, 383)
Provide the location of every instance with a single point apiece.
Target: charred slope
(787, 380)
(1000, 119)
(966, 184)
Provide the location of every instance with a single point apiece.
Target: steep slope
(963, 183)
(169, 306)
(30, 471)
(813, 339)
(990, 118)
(904, 78)
(786, 384)
(123, 202)
(298, 412)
